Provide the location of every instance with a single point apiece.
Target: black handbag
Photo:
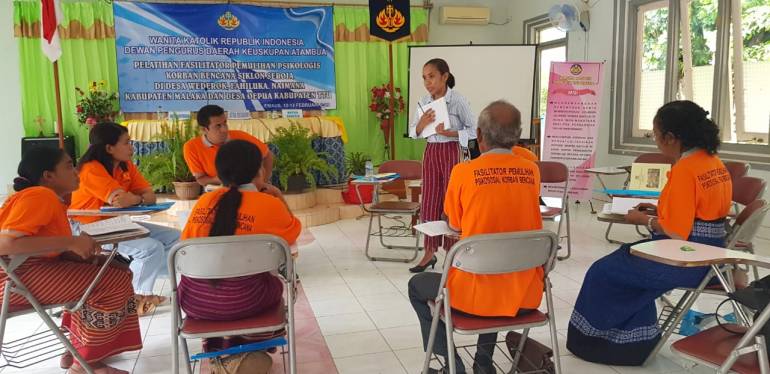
(535, 357)
(755, 296)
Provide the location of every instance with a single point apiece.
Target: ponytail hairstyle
(237, 163)
(100, 136)
(442, 67)
(34, 163)
(689, 123)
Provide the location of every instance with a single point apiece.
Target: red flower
(373, 107)
(80, 109)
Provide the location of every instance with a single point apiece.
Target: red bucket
(351, 197)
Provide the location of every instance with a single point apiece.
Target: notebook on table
(110, 226)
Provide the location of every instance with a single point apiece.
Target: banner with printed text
(572, 123)
(179, 57)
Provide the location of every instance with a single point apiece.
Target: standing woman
(108, 177)
(443, 150)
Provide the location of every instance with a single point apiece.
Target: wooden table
(682, 253)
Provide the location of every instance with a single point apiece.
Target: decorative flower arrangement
(381, 101)
(97, 105)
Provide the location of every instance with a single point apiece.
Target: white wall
(10, 99)
(596, 45)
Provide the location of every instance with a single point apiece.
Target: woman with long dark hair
(443, 150)
(240, 208)
(615, 320)
(108, 177)
(34, 220)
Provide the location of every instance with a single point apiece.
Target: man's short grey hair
(500, 125)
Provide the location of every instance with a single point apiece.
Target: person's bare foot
(99, 368)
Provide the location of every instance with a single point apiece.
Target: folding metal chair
(496, 254)
(227, 257)
(379, 209)
(552, 172)
(407, 170)
(746, 227)
(727, 352)
(45, 348)
(746, 190)
(737, 169)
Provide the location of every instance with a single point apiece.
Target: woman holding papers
(34, 222)
(244, 206)
(445, 136)
(108, 177)
(615, 320)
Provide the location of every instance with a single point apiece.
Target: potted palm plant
(167, 169)
(296, 160)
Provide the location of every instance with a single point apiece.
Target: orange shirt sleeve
(192, 157)
(677, 204)
(452, 205)
(138, 181)
(30, 214)
(97, 182)
(284, 224)
(252, 139)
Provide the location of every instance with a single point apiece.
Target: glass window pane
(755, 64)
(652, 31)
(550, 34)
(547, 56)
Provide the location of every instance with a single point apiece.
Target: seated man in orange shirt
(496, 192)
(199, 153)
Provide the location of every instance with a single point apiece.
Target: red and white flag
(50, 16)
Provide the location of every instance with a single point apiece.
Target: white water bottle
(369, 170)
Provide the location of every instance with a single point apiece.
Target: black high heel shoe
(421, 268)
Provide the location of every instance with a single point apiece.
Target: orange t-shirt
(200, 154)
(497, 192)
(97, 185)
(34, 211)
(259, 213)
(524, 152)
(698, 187)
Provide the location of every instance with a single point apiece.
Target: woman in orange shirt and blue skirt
(615, 319)
(108, 177)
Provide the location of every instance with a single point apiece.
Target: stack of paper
(140, 208)
(621, 205)
(109, 226)
(442, 116)
(435, 228)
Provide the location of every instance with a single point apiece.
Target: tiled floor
(364, 315)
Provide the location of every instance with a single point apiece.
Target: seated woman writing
(108, 177)
(34, 221)
(615, 320)
(245, 206)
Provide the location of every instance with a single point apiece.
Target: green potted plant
(296, 159)
(167, 169)
(355, 165)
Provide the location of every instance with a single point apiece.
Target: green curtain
(359, 66)
(82, 61)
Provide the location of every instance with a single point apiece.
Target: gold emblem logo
(229, 21)
(576, 69)
(390, 19)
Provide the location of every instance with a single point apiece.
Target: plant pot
(187, 190)
(351, 197)
(296, 183)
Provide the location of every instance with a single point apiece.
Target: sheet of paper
(621, 205)
(108, 226)
(435, 228)
(442, 116)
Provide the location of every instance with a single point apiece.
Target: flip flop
(144, 307)
(65, 362)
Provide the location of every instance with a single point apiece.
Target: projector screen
(483, 73)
